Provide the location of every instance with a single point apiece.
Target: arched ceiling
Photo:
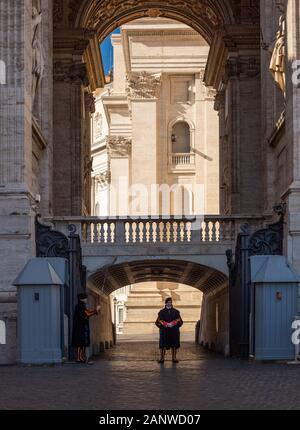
(203, 278)
(103, 16)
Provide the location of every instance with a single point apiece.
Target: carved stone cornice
(205, 16)
(109, 9)
(230, 39)
(144, 86)
(70, 72)
(118, 146)
(247, 11)
(242, 67)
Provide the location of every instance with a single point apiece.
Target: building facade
(181, 156)
(50, 66)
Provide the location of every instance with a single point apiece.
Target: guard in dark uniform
(169, 322)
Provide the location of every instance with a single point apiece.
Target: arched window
(181, 138)
(2, 333)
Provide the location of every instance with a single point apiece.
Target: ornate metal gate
(52, 243)
(266, 241)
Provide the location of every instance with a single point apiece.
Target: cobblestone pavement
(128, 377)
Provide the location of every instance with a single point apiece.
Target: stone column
(119, 150)
(16, 197)
(272, 100)
(143, 91)
(70, 79)
(292, 195)
(224, 155)
(243, 128)
(89, 102)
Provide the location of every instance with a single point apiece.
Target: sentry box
(274, 303)
(41, 311)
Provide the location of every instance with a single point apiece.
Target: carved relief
(88, 166)
(89, 101)
(108, 9)
(220, 101)
(70, 72)
(118, 146)
(57, 12)
(246, 11)
(98, 123)
(143, 86)
(153, 13)
(38, 52)
(236, 67)
(210, 93)
(103, 178)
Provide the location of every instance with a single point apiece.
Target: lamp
(115, 311)
(173, 138)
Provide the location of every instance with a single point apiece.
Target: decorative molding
(110, 9)
(144, 86)
(210, 93)
(202, 74)
(219, 101)
(167, 34)
(88, 166)
(70, 72)
(118, 146)
(274, 137)
(280, 4)
(153, 13)
(89, 101)
(247, 11)
(58, 12)
(242, 67)
(49, 242)
(103, 178)
(269, 240)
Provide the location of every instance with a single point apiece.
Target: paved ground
(128, 377)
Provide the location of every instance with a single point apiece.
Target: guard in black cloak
(169, 321)
(81, 327)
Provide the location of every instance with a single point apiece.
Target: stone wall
(214, 322)
(100, 325)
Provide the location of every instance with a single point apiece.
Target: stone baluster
(120, 232)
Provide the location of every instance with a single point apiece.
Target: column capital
(68, 71)
(144, 86)
(118, 146)
(242, 66)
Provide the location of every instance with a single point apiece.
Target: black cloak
(169, 337)
(81, 327)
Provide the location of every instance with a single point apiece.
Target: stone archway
(232, 74)
(214, 318)
(205, 16)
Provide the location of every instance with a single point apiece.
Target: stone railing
(182, 159)
(158, 230)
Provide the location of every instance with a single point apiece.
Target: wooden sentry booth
(274, 306)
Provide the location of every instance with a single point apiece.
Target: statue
(277, 65)
(38, 58)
